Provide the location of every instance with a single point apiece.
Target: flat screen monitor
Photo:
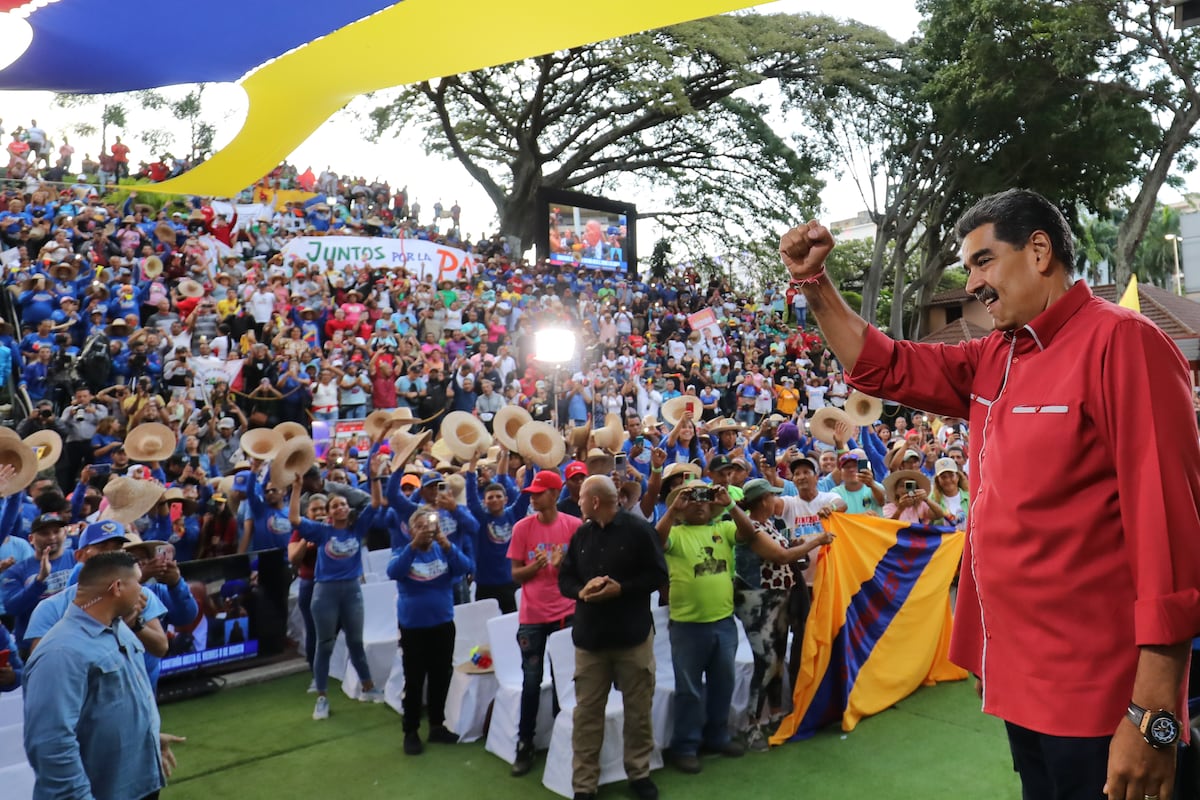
(586, 231)
(243, 602)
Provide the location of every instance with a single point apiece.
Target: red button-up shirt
(1084, 538)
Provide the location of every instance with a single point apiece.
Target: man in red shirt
(1079, 598)
(536, 549)
(120, 154)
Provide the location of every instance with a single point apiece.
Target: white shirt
(816, 396)
(262, 304)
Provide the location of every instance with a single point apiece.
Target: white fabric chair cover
(663, 712)
(375, 565)
(295, 622)
(380, 636)
(506, 708)
(393, 690)
(18, 781)
(557, 777)
(470, 695)
(743, 674)
(12, 746)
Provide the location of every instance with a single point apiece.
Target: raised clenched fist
(804, 249)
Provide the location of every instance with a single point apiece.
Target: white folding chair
(375, 564)
(470, 694)
(12, 745)
(663, 711)
(380, 635)
(506, 708)
(557, 777)
(18, 781)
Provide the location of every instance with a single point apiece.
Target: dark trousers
(77, 453)
(428, 654)
(532, 641)
(504, 593)
(798, 605)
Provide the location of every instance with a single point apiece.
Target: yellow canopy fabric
(1130, 298)
(412, 41)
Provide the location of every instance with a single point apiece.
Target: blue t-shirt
(339, 550)
(425, 583)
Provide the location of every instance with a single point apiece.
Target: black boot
(524, 761)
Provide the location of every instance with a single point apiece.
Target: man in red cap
(575, 472)
(536, 549)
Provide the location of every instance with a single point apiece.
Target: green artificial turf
(260, 742)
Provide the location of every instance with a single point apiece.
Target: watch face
(1163, 730)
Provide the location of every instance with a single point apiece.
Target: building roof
(950, 297)
(1176, 316)
(958, 331)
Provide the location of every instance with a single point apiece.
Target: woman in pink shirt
(908, 499)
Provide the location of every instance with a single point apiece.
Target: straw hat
(863, 409)
(165, 233)
(47, 446)
(402, 419)
(721, 424)
(64, 271)
(150, 441)
(898, 477)
(465, 435)
(447, 468)
(153, 266)
(140, 547)
(612, 436)
(292, 458)
(290, 430)
(672, 410)
(17, 454)
(457, 485)
(129, 500)
(576, 437)
(377, 423)
(119, 327)
(540, 444)
(405, 445)
(685, 468)
(441, 451)
(175, 495)
(190, 288)
(601, 458)
(508, 423)
(650, 423)
(493, 457)
(261, 443)
(825, 420)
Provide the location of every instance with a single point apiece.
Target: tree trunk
(874, 278)
(1133, 227)
(896, 323)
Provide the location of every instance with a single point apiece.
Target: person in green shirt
(699, 552)
(860, 490)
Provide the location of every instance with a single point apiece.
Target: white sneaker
(321, 710)
(372, 696)
(312, 686)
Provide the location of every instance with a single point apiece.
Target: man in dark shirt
(612, 566)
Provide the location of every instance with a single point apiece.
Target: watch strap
(1137, 715)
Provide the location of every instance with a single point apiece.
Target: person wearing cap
(337, 601)
(91, 724)
(859, 489)
(535, 552)
(1091, 687)
(574, 475)
(45, 573)
(698, 548)
(496, 518)
(425, 571)
(456, 521)
(950, 493)
(761, 585)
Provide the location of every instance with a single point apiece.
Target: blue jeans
(310, 627)
(354, 412)
(326, 416)
(703, 654)
(337, 603)
(532, 641)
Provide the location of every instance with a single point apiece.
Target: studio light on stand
(554, 346)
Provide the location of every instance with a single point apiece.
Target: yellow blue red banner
(879, 625)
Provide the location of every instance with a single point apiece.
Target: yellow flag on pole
(1130, 298)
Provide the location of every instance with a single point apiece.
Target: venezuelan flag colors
(879, 625)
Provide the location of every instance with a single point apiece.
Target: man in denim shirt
(91, 725)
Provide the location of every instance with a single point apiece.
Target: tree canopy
(670, 114)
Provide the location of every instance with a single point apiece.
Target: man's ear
(1042, 249)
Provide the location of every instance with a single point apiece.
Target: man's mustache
(986, 295)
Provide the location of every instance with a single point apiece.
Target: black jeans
(428, 654)
(798, 605)
(532, 641)
(504, 593)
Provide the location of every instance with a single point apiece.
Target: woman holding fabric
(337, 601)
(762, 581)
